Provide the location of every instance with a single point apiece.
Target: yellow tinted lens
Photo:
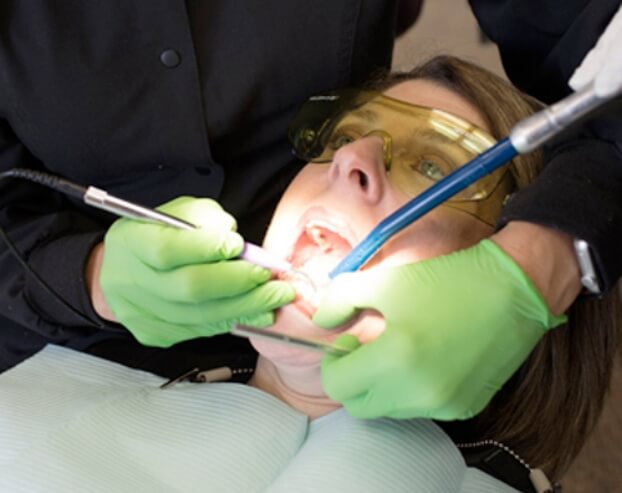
(421, 145)
(426, 144)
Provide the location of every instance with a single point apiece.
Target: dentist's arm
(547, 257)
(578, 191)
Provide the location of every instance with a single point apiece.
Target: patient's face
(330, 207)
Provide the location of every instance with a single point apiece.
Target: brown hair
(548, 408)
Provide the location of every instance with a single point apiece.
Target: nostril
(363, 180)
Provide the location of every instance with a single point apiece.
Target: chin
(283, 355)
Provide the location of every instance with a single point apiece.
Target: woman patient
(372, 161)
(372, 151)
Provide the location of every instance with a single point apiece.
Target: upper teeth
(319, 238)
(317, 235)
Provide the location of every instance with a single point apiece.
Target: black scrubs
(152, 99)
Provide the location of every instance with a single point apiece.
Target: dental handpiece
(251, 252)
(101, 199)
(303, 284)
(524, 137)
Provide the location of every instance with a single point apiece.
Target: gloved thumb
(347, 342)
(336, 303)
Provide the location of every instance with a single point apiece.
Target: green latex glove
(167, 285)
(457, 327)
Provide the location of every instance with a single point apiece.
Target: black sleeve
(53, 238)
(580, 190)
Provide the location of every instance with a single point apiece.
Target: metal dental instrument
(524, 137)
(101, 199)
(251, 252)
(310, 344)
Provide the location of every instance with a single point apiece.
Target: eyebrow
(366, 115)
(443, 134)
(461, 139)
(438, 135)
(435, 136)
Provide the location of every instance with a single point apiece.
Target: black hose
(56, 183)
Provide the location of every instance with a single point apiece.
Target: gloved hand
(167, 285)
(457, 327)
(603, 64)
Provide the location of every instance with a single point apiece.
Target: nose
(360, 168)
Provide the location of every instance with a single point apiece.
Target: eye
(341, 138)
(431, 168)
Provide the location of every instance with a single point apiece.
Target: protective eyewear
(421, 145)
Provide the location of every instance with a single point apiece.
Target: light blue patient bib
(71, 422)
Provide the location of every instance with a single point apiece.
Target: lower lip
(304, 307)
(314, 331)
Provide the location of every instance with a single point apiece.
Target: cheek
(440, 232)
(311, 179)
(307, 186)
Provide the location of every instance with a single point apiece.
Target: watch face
(586, 266)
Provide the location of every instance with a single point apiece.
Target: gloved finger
(163, 247)
(204, 282)
(354, 374)
(151, 331)
(347, 342)
(200, 212)
(260, 321)
(332, 313)
(263, 299)
(343, 297)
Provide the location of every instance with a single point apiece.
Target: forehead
(426, 93)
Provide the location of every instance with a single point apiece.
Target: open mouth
(318, 249)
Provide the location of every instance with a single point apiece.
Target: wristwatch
(589, 279)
